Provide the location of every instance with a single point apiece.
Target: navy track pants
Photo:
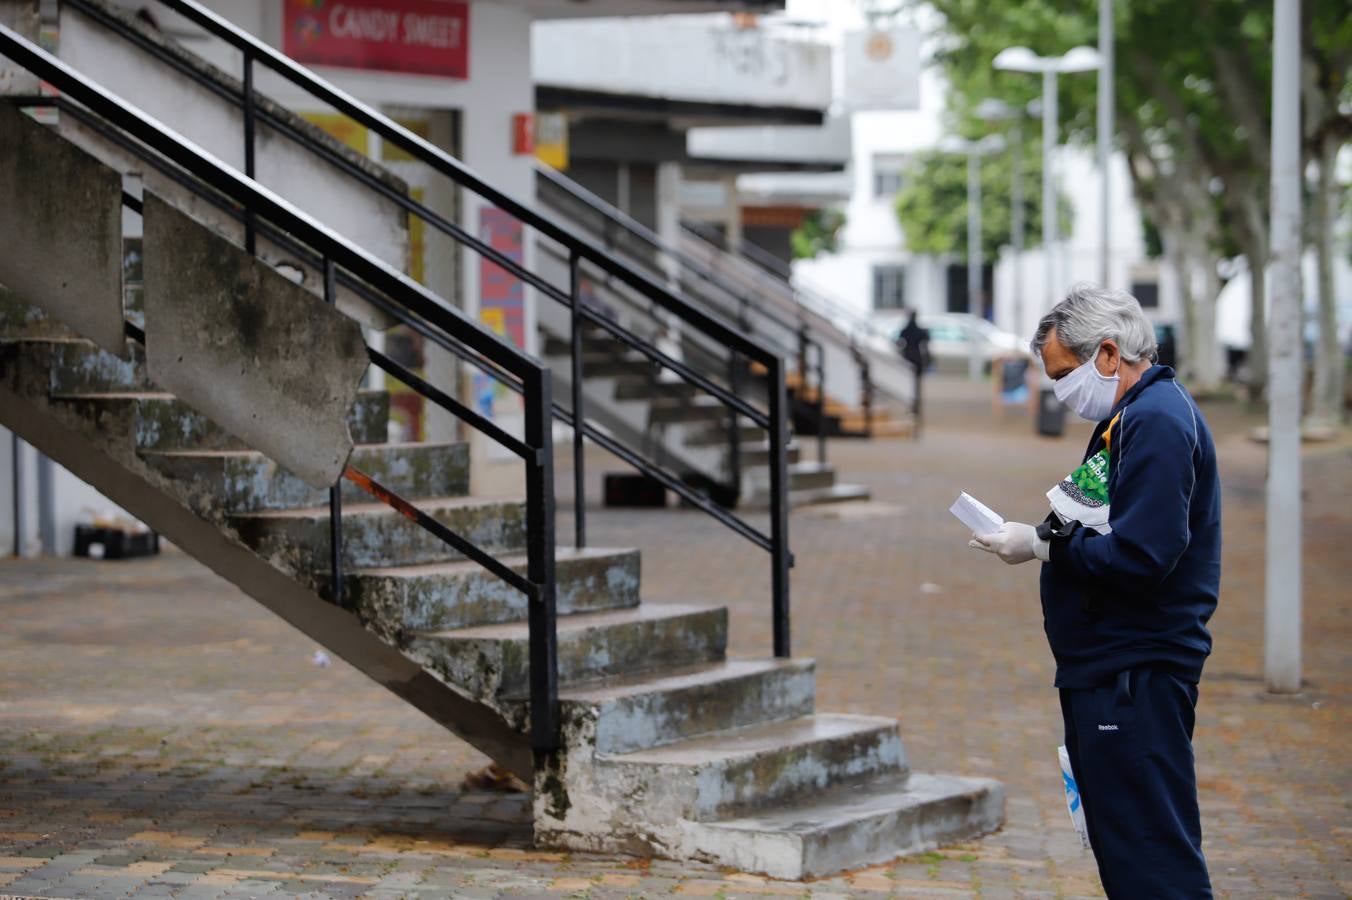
(1130, 744)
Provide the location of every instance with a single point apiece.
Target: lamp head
(1018, 59)
(1079, 59)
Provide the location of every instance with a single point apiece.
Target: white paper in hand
(976, 515)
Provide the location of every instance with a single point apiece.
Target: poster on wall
(502, 296)
(421, 37)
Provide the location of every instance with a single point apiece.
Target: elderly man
(1131, 559)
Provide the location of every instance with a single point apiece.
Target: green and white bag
(1082, 496)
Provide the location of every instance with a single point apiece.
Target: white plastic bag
(1073, 798)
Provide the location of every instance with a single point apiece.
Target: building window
(889, 287)
(1147, 292)
(887, 175)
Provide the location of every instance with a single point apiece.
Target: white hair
(1091, 315)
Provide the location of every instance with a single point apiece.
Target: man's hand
(1015, 543)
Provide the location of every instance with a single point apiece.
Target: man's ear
(1109, 357)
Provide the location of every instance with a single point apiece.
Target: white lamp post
(974, 150)
(1021, 59)
(993, 110)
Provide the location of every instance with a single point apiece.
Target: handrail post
(779, 506)
(821, 402)
(866, 379)
(579, 413)
(734, 430)
(250, 239)
(544, 673)
(336, 491)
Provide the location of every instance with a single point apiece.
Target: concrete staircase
(668, 747)
(671, 748)
(689, 429)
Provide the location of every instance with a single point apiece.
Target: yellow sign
(551, 139)
(394, 153)
(341, 127)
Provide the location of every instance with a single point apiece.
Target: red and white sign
(424, 37)
(523, 134)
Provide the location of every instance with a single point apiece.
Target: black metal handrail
(736, 306)
(581, 250)
(765, 264)
(628, 224)
(257, 205)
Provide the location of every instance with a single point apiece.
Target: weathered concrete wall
(269, 362)
(61, 230)
(318, 187)
(20, 16)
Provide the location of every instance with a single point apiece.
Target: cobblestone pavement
(162, 735)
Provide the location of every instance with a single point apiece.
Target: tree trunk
(1207, 370)
(1175, 253)
(1252, 234)
(1326, 406)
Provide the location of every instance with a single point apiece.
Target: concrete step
(297, 540)
(591, 344)
(235, 481)
(695, 409)
(451, 595)
(811, 475)
(493, 661)
(863, 825)
(758, 454)
(80, 367)
(21, 321)
(163, 422)
(648, 389)
(643, 711)
(717, 436)
(754, 768)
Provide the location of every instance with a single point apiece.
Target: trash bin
(1051, 415)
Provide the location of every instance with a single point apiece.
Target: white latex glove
(1015, 543)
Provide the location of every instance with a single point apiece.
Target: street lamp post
(1021, 59)
(1282, 611)
(1105, 134)
(993, 110)
(974, 150)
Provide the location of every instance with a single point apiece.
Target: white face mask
(1087, 391)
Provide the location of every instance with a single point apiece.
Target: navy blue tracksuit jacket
(1126, 615)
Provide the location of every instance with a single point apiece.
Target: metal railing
(263, 212)
(775, 276)
(581, 251)
(793, 337)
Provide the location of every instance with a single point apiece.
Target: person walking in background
(1131, 564)
(913, 344)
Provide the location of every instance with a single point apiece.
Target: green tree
(1193, 97)
(932, 204)
(818, 234)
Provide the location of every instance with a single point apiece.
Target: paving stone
(179, 689)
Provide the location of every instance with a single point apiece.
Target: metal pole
(1105, 135)
(1016, 225)
(1283, 606)
(821, 402)
(47, 504)
(579, 412)
(1048, 187)
(973, 256)
(734, 429)
(780, 559)
(544, 670)
(16, 458)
